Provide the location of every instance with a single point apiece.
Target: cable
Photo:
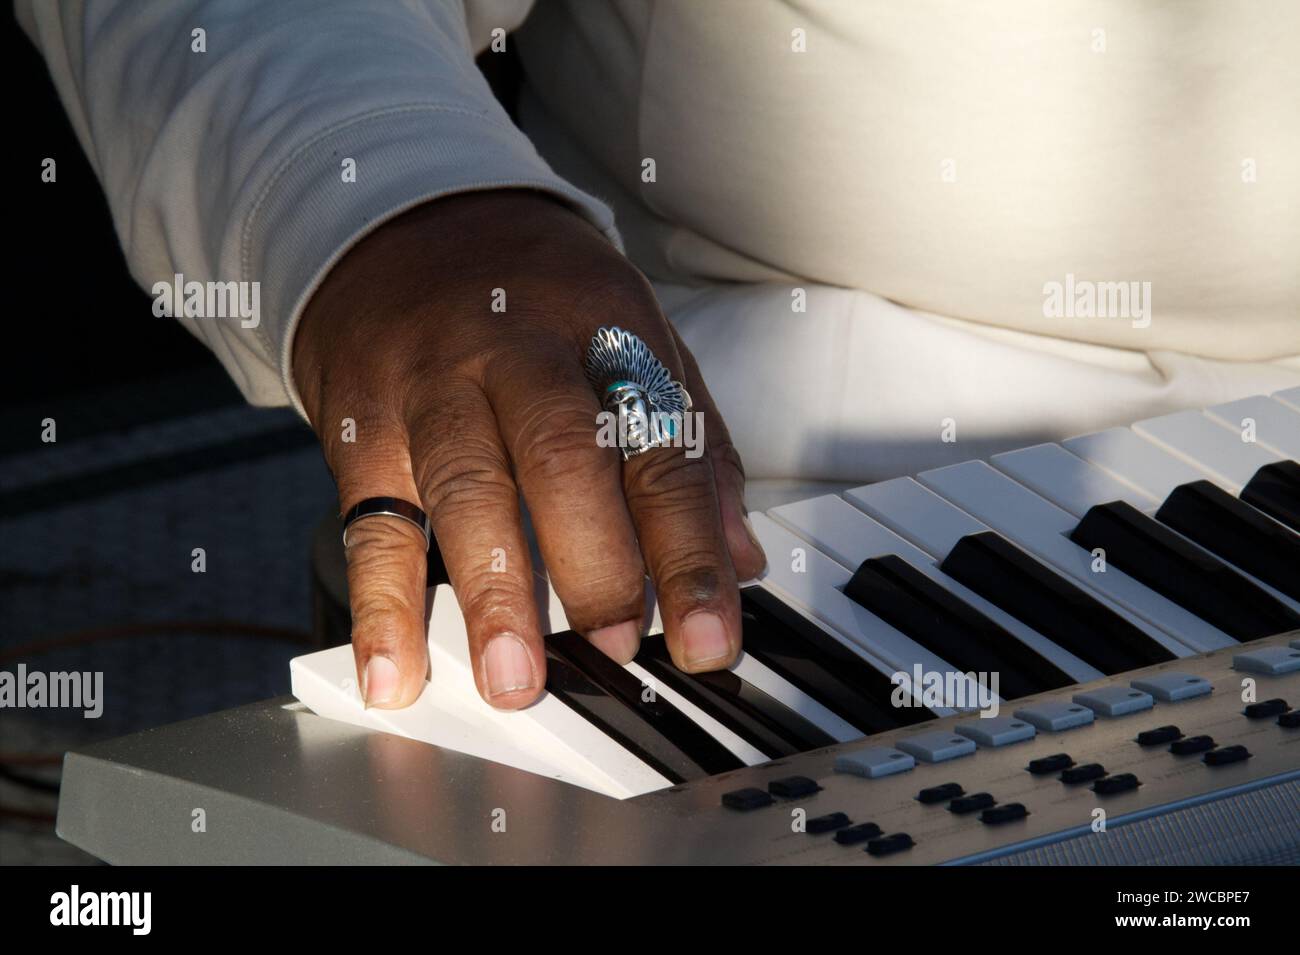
(28, 782)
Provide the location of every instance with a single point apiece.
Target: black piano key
(938, 620)
(1240, 534)
(1275, 490)
(610, 697)
(812, 660)
(765, 723)
(1184, 573)
(1065, 613)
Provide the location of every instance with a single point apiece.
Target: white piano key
(1077, 485)
(839, 529)
(1290, 397)
(1159, 469)
(786, 693)
(546, 738)
(849, 536)
(1277, 426)
(746, 667)
(742, 750)
(1197, 439)
(1131, 458)
(917, 513)
(1040, 527)
(816, 592)
(1067, 481)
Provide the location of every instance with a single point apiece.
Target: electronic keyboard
(1076, 652)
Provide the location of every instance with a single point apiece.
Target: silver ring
(634, 385)
(392, 507)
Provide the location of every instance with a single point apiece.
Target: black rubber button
(1266, 709)
(940, 793)
(1159, 736)
(1225, 755)
(886, 845)
(827, 823)
(1083, 774)
(1191, 745)
(1119, 783)
(746, 799)
(972, 803)
(1049, 764)
(1007, 812)
(793, 787)
(856, 834)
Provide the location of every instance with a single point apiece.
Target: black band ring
(393, 507)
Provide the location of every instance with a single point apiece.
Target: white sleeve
(228, 164)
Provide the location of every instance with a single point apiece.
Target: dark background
(80, 334)
(156, 454)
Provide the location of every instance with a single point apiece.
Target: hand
(462, 409)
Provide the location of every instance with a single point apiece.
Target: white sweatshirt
(962, 190)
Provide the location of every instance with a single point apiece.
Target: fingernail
(619, 642)
(704, 639)
(508, 664)
(381, 681)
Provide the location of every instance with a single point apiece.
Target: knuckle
(484, 593)
(473, 481)
(604, 598)
(691, 575)
(381, 586)
(666, 481)
(557, 441)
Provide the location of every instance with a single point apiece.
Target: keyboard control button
(1225, 755)
(1173, 687)
(793, 787)
(1191, 745)
(1265, 709)
(887, 845)
(1290, 720)
(1054, 716)
(1159, 736)
(940, 793)
(972, 803)
(1007, 812)
(1269, 661)
(827, 823)
(996, 731)
(872, 762)
(854, 835)
(1046, 765)
(746, 799)
(1115, 700)
(937, 747)
(1119, 783)
(1083, 774)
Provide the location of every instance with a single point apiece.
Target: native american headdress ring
(634, 385)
